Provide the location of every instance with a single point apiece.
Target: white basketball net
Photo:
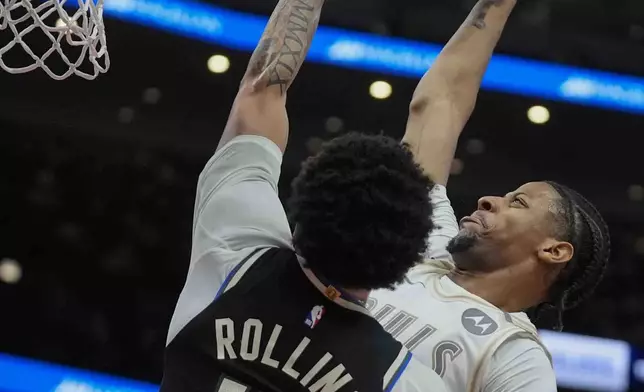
(84, 30)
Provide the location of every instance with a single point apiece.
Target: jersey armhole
(396, 370)
(239, 270)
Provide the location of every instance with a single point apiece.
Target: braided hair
(578, 222)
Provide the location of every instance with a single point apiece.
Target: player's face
(507, 228)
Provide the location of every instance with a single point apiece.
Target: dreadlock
(578, 222)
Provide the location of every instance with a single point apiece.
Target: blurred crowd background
(98, 178)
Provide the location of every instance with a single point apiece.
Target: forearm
(457, 73)
(284, 45)
(445, 97)
(260, 105)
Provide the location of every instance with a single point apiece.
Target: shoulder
(241, 154)
(520, 364)
(522, 347)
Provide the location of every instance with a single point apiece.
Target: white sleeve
(520, 365)
(419, 378)
(446, 226)
(237, 205)
(237, 211)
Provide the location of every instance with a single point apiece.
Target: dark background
(97, 182)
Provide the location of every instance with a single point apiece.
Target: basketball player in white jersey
(541, 247)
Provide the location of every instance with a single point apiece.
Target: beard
(463, 242)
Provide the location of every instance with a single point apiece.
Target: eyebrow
(515, 194)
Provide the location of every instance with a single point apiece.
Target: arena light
(380, 89)
(10, 271)
(457, 167)
(218, 64)
(639, 249)
(151, 96)
(572, 356)
(333, 124)
(126, 115)
(475, 146)
(636, 193)
(539, 114)
(314, 145)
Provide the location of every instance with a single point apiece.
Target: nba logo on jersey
(314, 317)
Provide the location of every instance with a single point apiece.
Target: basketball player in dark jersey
(263, 310)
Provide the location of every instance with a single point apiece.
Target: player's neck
(510, 295)
(359, 294)
(333, 292)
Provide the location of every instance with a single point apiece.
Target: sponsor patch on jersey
(332, 293)
(478, 323)
(314, 317)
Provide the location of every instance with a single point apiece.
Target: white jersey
(473, 345)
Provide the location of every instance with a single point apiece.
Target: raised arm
(446, 95)
(238, 214)
(259, 108)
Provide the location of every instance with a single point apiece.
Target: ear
(556, 252)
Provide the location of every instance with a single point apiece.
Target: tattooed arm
(259, 108)
(237, 209)
(446, 95)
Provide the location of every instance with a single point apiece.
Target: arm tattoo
(480, 12)
(284, 44)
